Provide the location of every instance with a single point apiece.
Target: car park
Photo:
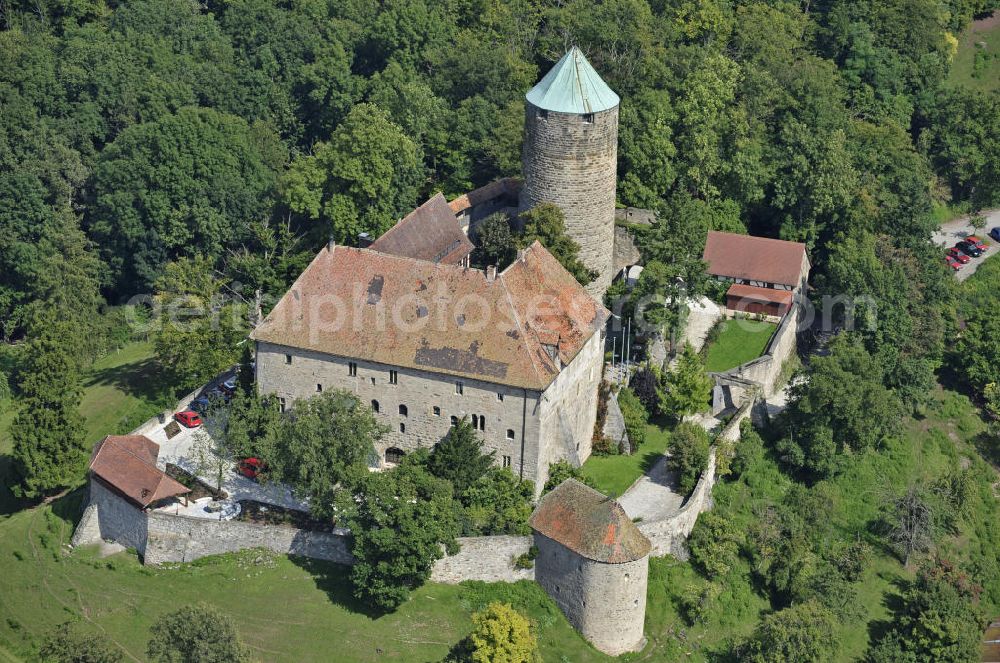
(969, 249)
(189, 418)
(956, 253)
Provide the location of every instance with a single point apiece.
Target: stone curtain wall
(486, 558)
(175, 538)
(626, 252)
(573, 163)
(668, 536)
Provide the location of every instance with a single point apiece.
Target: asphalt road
(953, 231)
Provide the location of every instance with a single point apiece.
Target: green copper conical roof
(572, 86)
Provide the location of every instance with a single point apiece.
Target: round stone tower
(570, 157)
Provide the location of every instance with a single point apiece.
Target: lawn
(978, 66)
(737, 342)
(614, 474)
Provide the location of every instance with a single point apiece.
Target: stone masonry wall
(569, 411)
(668, 535)
(605, 602)
(420, 392)
(625, 251)
(572, 162)
(486, 558)
(110, 516)
(175, 538)
(765, 369)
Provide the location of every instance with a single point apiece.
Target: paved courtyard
(184, 450)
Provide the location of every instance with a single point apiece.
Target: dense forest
(168, 148)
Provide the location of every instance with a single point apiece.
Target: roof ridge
(517, 319)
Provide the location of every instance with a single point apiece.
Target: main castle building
(411, 329)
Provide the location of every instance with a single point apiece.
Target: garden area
(734, 342)
(614, 474)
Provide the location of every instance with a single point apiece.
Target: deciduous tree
(196, 634)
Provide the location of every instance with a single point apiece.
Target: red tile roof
(508, 186)
(430, 232)
(589, 523)
(754, 258)
(756, 294)
(361, 304)
(128, 463)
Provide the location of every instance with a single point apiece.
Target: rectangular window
(319, 388)
(506, 461)
(437, 411)
(352, 369)
(373, 381)
(281, 402)
(500, 397)
(393, 377)
(588, 118)
(459, 388)
(288, 359)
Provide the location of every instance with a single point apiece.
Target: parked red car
(189, 418)
(251, 467)
(956, 253)
(979, 244)
(954, 264)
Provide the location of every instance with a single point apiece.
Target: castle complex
(409, 327)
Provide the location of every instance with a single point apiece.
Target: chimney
(364, 240)
(330, 243)
(491, 273)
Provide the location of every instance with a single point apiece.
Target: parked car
(978, 243)
(954, 264)
(201, 404)
(219, 394)
(956, 253)
(189, 418)
(229, 386)
(251, 467)
(970, 249)
(995, 233)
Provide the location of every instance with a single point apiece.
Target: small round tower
(570, 157)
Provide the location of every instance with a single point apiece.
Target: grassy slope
(287, 610)
(962, 71)
(614, 474)
(738, 342)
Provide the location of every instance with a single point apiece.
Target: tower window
(393, 377)
(288, 359)
(403, 411)
(506, 461)
(500, 396)
(352, 369)
(459, 388)
(319, 388)
(454, 420)
(588, 118)
(281, 402)
(402, 428)
(375, 406)
(394, 455)
(482, 421)
(510, 434)
(543, 114)
(436, 410)
(475, 421)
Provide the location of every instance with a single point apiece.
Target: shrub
(71, 644)
(562, 470)
(498, 503)
(605, 446)
(526, 560)
(713, 544)
(803, 633)
(645, 384)
(635, 416)
(689, 450)
(500, 634)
